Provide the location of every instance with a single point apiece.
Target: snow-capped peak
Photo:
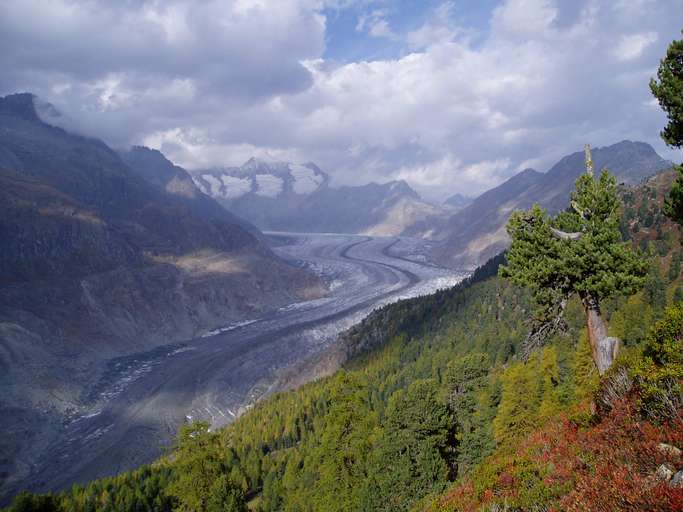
(262, 177)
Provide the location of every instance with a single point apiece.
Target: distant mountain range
(282, 196)
(472, 235)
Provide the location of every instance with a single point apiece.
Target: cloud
(458, 108)
(375, 24)
(524, 18)
(168, 59)
(632, 46)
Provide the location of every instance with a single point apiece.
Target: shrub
(659, 374)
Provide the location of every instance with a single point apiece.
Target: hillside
(98, 262)
(433, 391)
(281, 196)
(458, 201)
(477, 232)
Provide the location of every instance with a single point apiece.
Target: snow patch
(305, 180)
(235, 187)
(214, 184)
(268, 185)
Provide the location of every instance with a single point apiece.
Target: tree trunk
(604, 347)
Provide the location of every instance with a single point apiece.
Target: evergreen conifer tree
(577, 251)
(668, 89)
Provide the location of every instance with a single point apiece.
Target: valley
(134, 411)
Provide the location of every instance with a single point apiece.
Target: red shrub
(605, 467)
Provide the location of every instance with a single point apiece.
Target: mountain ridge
(282, 196)
(477, 232)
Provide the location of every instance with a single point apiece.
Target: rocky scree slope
(97, 262)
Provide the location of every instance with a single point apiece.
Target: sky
(451, 96)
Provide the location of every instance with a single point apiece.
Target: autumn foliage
(571, 466)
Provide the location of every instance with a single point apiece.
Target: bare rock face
(664, 473)
(677, 479)
(102, 256)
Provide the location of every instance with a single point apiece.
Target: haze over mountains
(283, 196)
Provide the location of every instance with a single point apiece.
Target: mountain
(458, 201)
(100, 259)
(477, 232)
(281, 196)
(435, 409)
(152, 166)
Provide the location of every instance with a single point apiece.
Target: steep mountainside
(477, 232)
(281, 196)
(152, 166)
(97, 262)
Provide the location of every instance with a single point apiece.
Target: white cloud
(632, 46)
(458, 110)
(375, 24)
(524, 17)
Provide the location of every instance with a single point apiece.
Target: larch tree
(668, 89)
(579, 251)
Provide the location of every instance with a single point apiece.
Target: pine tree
(412, 459)
(345, 444)
(578, 251)
(201, 483)
(668, 89)
(518, 405)
(655, 289)
(466, 378)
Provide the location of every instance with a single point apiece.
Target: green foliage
(598, 264)
(26, 502)
(673, 207)
(414, 456)
(668, 89)
(586, 377)
(345, 444)
(655, 289)
(675, 267)
(548, 392)
(518, 405)
(660, 373)
(470, 395)
(201, 483)
(678, 294)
